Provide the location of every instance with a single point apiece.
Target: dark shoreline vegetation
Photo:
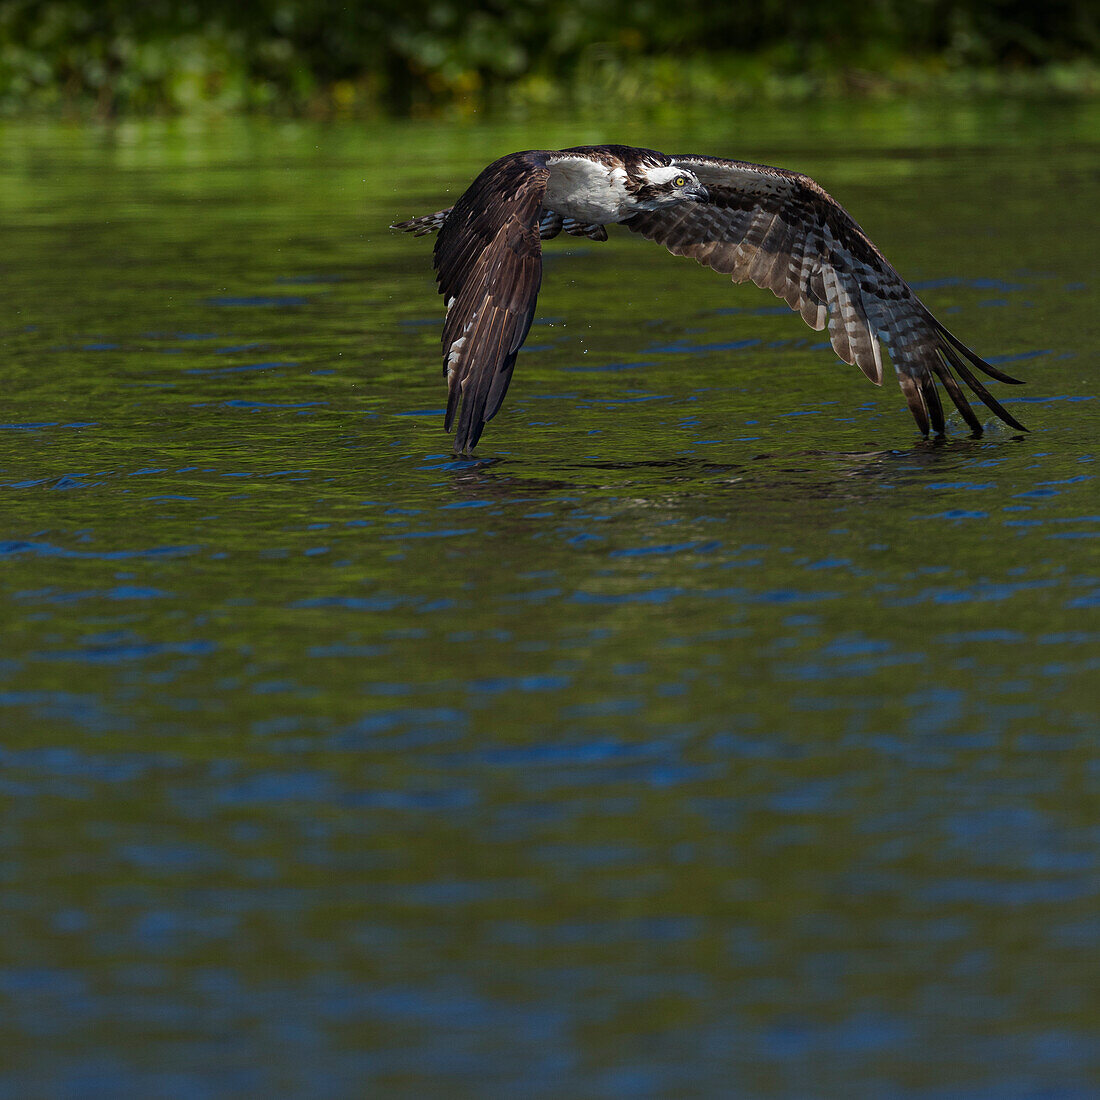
(423, 58)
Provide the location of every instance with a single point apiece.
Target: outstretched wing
(784, 232)
(488, 263)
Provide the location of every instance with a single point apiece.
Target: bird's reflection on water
(813, 474)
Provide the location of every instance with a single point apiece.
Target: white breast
(586, 190)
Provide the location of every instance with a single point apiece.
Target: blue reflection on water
(496, 787)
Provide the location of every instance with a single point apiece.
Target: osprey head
(666, 185)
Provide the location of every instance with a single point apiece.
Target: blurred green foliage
(418, 55)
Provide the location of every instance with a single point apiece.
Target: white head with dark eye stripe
(668, 185)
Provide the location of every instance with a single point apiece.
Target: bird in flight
(779, 229)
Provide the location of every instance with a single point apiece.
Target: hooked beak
(698, 194)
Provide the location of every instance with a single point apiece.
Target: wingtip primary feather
(951, 351)
(977, 360)
(942, 370)
(933, 405)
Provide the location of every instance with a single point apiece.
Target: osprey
(779, 229)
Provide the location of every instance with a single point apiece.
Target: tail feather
(426, 223)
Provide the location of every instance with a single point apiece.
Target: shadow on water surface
(818, 474)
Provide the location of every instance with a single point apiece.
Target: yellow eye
(679, 181)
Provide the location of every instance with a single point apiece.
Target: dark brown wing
(488, 263)
(784, 232)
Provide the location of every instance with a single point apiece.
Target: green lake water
(709, 735)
